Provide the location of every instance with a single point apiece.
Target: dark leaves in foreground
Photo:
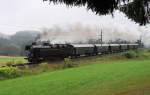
(137, 10)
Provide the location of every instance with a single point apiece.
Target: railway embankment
(13, 70)
(116, 74)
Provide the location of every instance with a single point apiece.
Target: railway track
(79, 57)
(29, 64)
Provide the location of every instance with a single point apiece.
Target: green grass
(12, 60)
(117, 78)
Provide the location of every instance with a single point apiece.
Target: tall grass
(141, 53)
(9, 72)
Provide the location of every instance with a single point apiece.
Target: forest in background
(13, 45)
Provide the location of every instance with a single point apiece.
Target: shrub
(148, 50)
(9, 64)
(68, 63)
(9, 72)
(130, 54)
(44, 67)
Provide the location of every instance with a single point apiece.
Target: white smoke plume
(145, 35)
(71, 34)
(82, 33)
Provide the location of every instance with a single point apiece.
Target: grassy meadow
(11, 60)
(117, 74)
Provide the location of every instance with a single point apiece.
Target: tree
(137, 10)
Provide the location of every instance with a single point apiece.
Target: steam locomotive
(44, 51)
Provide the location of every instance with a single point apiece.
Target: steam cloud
(82, 33)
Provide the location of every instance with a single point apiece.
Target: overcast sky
(17, 15)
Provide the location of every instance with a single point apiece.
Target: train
(44, 51)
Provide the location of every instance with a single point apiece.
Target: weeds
(9, 72)
(68, 63)
(137, 54)
(9, 64)
(131, 54)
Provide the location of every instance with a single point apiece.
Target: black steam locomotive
(44, 51)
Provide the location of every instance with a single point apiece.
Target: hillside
(14, 44)
(3, 36)
(112, 78)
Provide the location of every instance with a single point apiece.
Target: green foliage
(148, 50)
(140, 53)
(39, 68)
(68, 63)
(135, 10)
(9, 64)
(130, 54)
(9, 72)
(44, 67)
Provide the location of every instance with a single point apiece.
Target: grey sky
(19, 15)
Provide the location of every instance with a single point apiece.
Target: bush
(130, 54)
(43, 67)
(9, 64)
(9, 72)
(68, 63)
(148, 50)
